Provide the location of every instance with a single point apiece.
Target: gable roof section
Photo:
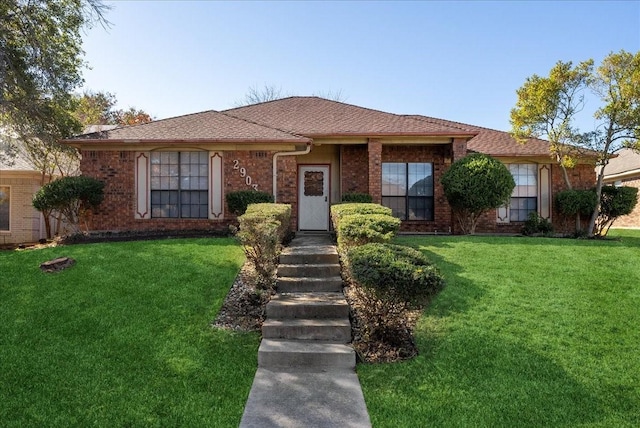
(494, 142)
(208, 126)
(626, 163)
(319, 117)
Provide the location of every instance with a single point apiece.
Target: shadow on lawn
(479, 379)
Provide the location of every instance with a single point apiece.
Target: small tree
(70, 196)
(614, 202)
(474, 185)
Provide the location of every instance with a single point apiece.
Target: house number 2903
(243, 173)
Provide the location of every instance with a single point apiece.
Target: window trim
(142, 180)
(407, 197)
(179, 178)
(8, 229)
(543, 194)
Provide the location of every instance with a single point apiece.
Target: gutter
(275, 163)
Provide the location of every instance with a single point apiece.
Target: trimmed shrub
(474, 185)
(341, 210)
(390, 283)
(361, 198)
(537, 225)
(614, 202)
(262, 230)
(395, 272)
(70, 196)
(238, 201)
(571, 203)
(279, 212)
(359, 229)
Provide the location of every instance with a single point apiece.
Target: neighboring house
(624, 170)
(173, 174)
(19, 221)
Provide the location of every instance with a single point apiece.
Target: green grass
(122, 338)
(528, 332)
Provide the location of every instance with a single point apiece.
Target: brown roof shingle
(208, 126)
(319, 117)
(494, 142)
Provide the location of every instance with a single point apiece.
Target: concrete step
(303, 285)
(335, 330)
(318, 270)
(277, 353)
(323, 254)
(307, 305)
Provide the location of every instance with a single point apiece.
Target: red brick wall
(374, 151)
(355, 169)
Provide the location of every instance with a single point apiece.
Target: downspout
(275, 163)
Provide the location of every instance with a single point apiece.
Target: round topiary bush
(474, 185)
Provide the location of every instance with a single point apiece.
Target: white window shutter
(502, 214)
(142, 177)
(216, 196)
(544, 191)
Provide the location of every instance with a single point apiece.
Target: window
(524, 199)
(407, 188)
(4, 208)
(179, 184)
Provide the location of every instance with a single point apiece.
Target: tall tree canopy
(98, 108)
(41, 59)
(547, 108)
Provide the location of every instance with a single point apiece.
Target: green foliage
(98, 108)
(500, 344)
(341, 210)
(362, 198)
(576, 202)
(389, 282)
(535, 224)
(124, 337)
(475, 184)
(41, 60)
(71, 196)
(395, 272)
(614, 202)
(238, 201)
(262, 230)
(359, 229)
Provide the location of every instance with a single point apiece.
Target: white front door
(313, 187)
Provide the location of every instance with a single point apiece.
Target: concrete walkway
(306, 368)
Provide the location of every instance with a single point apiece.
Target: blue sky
(456, 60)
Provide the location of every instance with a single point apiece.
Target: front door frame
(327, 196)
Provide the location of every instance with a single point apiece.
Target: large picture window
(407, 188)
(524, 199)
(179, 184)
(4, 207)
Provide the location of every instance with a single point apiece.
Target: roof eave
(79, 143)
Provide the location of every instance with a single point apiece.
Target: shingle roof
(319, 117)
(208, 126)
(494, 142)
(18, 162)
(627, 161)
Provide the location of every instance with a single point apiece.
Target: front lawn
(122, 338)
(528, 332)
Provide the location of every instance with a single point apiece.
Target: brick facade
(355, 169)
(633, 219)
(361, 171)
(374, 151)
(25, 222)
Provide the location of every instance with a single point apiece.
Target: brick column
(374, 149)
(459, 146)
